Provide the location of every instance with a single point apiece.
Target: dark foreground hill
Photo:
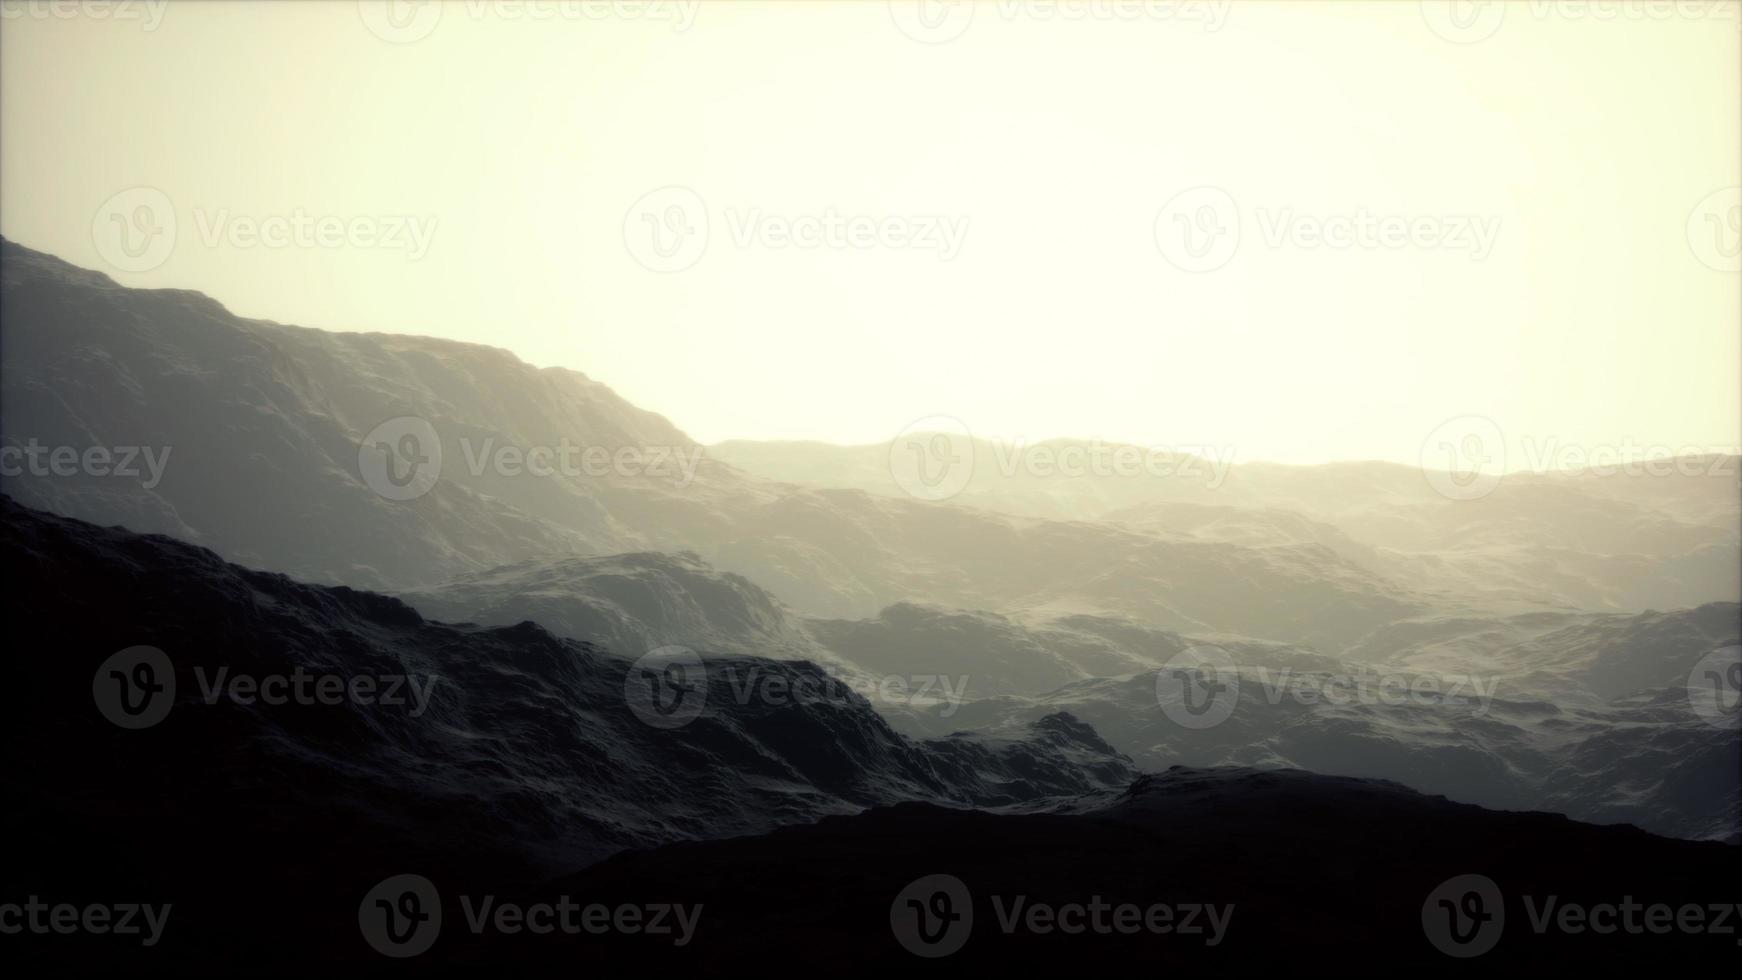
(181, 729)
(463, 827)
(1225, 869)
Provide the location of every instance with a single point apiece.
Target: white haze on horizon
(1542, 216)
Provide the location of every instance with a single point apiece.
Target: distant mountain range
(258, 418)
(1021, 597)
(540, 643)
(1622, 542)
(259, 822)
(1581, 713)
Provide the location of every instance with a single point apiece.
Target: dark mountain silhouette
(526, 757)
(1323, 874)
(264, 825)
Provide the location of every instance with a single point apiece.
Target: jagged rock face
(524, 752)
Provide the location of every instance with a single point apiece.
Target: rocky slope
(523, 748)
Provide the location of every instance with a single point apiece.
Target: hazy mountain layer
(1592, 720)
(1624, 541)
(265, 430)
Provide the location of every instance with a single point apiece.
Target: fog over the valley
(802, 458)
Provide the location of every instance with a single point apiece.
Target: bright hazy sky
(1564, 187)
